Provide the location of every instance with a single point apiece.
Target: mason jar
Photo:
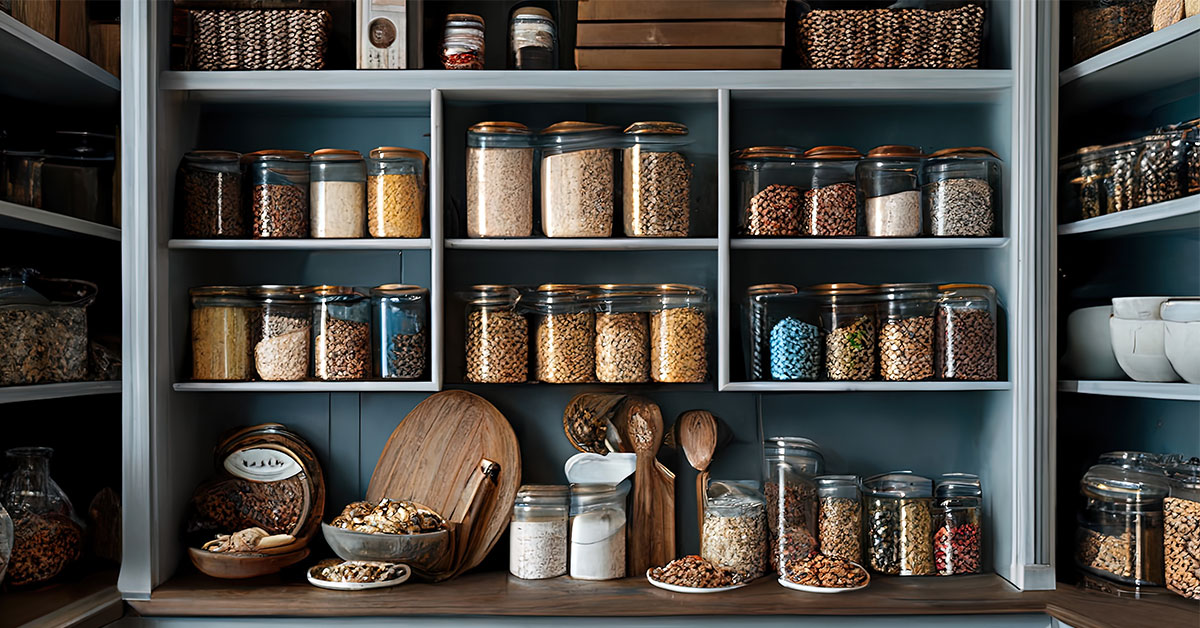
(958, 525)
(830, 206)
(733, 530)
(960, 192)
(565, 334)
(537, 532)
(790, 466)
(622, 332)
(337, 192)
(284, 334)
(577, 179)
(533, 40)
(1092, 180)
(906, 331)
(770, 189)
(497, 336)
(598, 518)
(656, 180)
(891, 195)
(462, 42)
(794, 344)
(396, 192)
(278, 181)
(1181, 524)
(848, 322)
(499, 180)
(679, 334)
(839, 517)
(223, 333)
(400, 333)
(210, 195)
(966, 332)
(341, 333)
(1120, 533)
(899, 524)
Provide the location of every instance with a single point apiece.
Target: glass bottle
(906, 331)
(499, 180)
(830, 205)
(578, 177)
(656, 180)
(900, 524)
(537, 533)
(565, 334)
(598, 518)
(223, 333)
(400, 337)
(1120, 533)
(891, 195)
(533, 40)
(958, 525)
(338, 182)
(1181, 523)
(396, 192)
(462, 42)
(278, 181)
(210, 195)
(284, 333)
(960, 192)
(679, 334)
(47, 536)
(497, 336)
(966, 332)
(341, 333)
(790, 466)
(839, 517)
(770, 190)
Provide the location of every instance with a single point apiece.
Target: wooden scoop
(652, 538)
(698, 435)
(478, 491)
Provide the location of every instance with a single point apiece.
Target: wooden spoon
(652, 539)
(698, 435)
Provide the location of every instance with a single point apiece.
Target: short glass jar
(622, 332)
(577, 179)
(396, 192)
(848, 322)
(966, 332)
(337, 193)
(278, 181)
(679, 334)
(341, 333)
(794, 343)
(210, 195)
(839, 517)
(891, 194)
(899, 524)
(770, 190)
(1162, 171)
(598, 518)
(284, 334)
(497, 336)
(400, 333)
(537, 532)
(830, 206)
(533, 40)
(906, 331)
(223, 333)
(462, 42)
(960, 192)
(499, 180)
(565, 334)
(733, 531)
(1181, 523)
(1120, 534)
(958, 525)
(756, 333)
(656, 180)
(790, 466)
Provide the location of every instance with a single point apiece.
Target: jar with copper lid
(756, 332)
(278, 181)
(497, 336)
(499, 180)
(960, 192)
(399, 331)
(622, 332)
(966, 332)
(577, 179)
(533, 40)
(210, 195)
(891, 195)
(656, 180)
(565, 332)
(223, 333)
(906, 331)
(679, 334)
(849, 325)
(769, 190)
(396, 192)
(462, 42)
(341, 333)
(284, 333)
(830, 205)
(337, 193)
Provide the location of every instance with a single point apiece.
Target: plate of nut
(693, 574)
(357, 575)
(821, 574)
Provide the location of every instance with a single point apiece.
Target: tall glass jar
(770, 188)
(577, 179)
(1162, 172)
(960, 192)
(794, 343)
(47, 536)
(341, 333)
(278, 181)
(906, 331)
(598, 518)
(891, 195)
(337, 192)
(497, 336)
(733, 533)
(851, 334)
(396, 192)
(657, 180)
(900, 524)
(679, 334)
(1181, 523)
(533, 40)
(565, 334)
(1120, 534)
(622, 332)
(1092, 180)
(756, 334)
(1191, 143)
(1122, 186)
(830, 206)
(790, 466)
(499, 180)
(839, 517)
(399, 335)
(958, 525)
(537, 532)
(223, 333)
(284, 333)
(462, 42)
(210, 195)
(966, 332)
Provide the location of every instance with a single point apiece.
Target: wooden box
(712, 34)
(652, 10)
(678, 58)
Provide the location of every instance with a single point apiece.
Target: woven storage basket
(891, 38)
(289, 39)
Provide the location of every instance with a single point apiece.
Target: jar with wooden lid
(284, 334)
(622, 332)
(396, 192)
(958, 524)
(1181, 524)
(960, 192)
(565, 333)
(533, 40)
(537, 532)
(770, 189)
(755, 332)
(499, 180)
(577, 179)
(899, 524)
(679, 334)
(966, 332)
(278, 181)
(656, 180)
(497, 336)
(793, 341)
(906, 331)
(337, 193)
(462, 42)
(400, 331)
(891, 195)
(223, 333)
(850, 327)
(210, 195)
(342, 333)
(830, 205)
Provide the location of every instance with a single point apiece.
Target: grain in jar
(960, 192)
(965, 333)
(906, 331)
(958, 525)
(899, 530)
(770, 190)
(679, 334)
(537, 532)
(1120, 532)
(577, 172)
(1162, 172)
(210, 195)
(733, 532)
(839, 517)
(891, 195)
(830, 205)
(399, 331)
(497, 336)
(499, 180)
(622, 332)
(223, 324)
(341, 334)
(656, 180)
(337, 193)
(1181, 524)
(279, 182)
(849, 325)
(396, 192)
(283, 338)
(564, 332)
(790, 465)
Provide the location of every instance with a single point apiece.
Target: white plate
(788, 584)
(678, 589)
(358, 586)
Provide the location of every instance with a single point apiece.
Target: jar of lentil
(769, 189)
(284, 333)
(839, 517)
(848, 323)
(1162, 170)
(656, 180)
(278, 182)
(533, 40)
(679, 334)
(499, 180)
(891, 195)
(342, 333)
(598, 518)
(733, 532)
(622, 332)
(337, 193)
(794, 346)
(1181, 523)
(790, 466)
(537, 532)
(959, 192)
(906, 331)
(900, 524)
(958, 525)
(830, 206)
(223, 326)
(565, 332)
(1120, 533)
(400, 333)
(462, 42)
(210, 195)
(577, 179)
(756, 335)
(497, 336)
(1122, 185)
(396, 192)
(966, 332)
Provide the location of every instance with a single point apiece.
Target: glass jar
(769, 186)
(341, 333)
(598, 519)
(1162, 170)
(839, 517)
(499, 180)
(958, 525)
(577, 180)
(679, 334)
(1092, 181)
(1097, 25)
(77, 177)
(830, 206)
(793, 335)
(338, 193)
(1123, 184)
(757, 333)
(1143, 461)
(533, 40)
(656, 180)
(278, 182)
(906, 326)
(283, 334)
(210, 195)
(565, 334)
(497, 337)
(959, 192)
(891, 195)
(399, 335)
(462, 42)
(537, 533)
(6, 540)
(44, 326)
(733, 533)
(23, 177)
(966, 332)
(47, 536)
(396, 192)
(1120, 535)
(847, 314)
(900, 524)
(223, 333)
(1181, 523)
(622, 332)
(1191, 147)
(790, 465)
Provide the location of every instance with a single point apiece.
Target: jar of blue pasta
(792, 324)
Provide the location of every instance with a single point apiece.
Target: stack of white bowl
(1181, 336)
(1144, 347)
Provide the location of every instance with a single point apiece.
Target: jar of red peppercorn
(462, 42)
(957, 524)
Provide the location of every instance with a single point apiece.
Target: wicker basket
(891, 38)
(291, 39)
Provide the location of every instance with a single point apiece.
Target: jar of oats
(577, 179)
(537, 532)
(499, 180)
(679, 334)
(622, 332)
(284, 331)
(733, 533)
(223, 325)
(337, 193)
(565, 333)
(656, 180)
(396, 192)
(497, 336)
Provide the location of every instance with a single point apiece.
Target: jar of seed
(906, 326)
(396, 192)
(1120, 533)
(499, 180)
(1093, 178)
(679, 334)
(839, 517)
(958, 524)
(960, 192)
(337, 193)
(830, 205)
(537, 532)
(577, 179)
(223, 333)
(849, 325)
(281, 352)
(966, 332)
(1181, 523)
(622, 332)
(733, 533)
(400, 333)
(1162, 172)
(900, 524)
(565, 331)
(657, 180)
(278, 182)
(794, 342)
(497, 336)
(342, 336)
(769, 189)
(1123, 184)
(756, 334)
(790, 466)
(210, 195)
(891, 195)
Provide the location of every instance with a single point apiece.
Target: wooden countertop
(1081, 608)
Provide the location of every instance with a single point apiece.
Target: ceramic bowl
(1137, 308)
(236, 566)
(1182, 342)
(428, 554)
(1089, 353)
(1139, 347)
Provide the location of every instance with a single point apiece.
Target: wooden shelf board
(862, 386)
(37, 392)
(583, 244)
(39, 69)
(1081, 608)
(1125, 388)
(22, 218)
(312, 387)
(1143, 65)
(777, 244)
(91, 600)
(303, 244)
(1175, 215)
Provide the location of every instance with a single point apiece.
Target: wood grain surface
(652, 531)
(676, 10)
(233, 566)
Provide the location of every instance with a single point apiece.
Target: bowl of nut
(392, 531)
(357, 575)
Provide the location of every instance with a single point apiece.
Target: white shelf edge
(1140, 216)
(931, 243)
(48, 220)
(1129, 50)
(1144, 390)
(583, 244)
(761, 387)
(311, 387)
(303, 244)
(58, 52)
(38, 392)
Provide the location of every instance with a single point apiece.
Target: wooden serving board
(432, 456)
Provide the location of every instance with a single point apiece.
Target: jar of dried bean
(337, 192)
(958, 525)
(400, 333)
(533, 40)
(210, 195)
(1162, 170)
(497, 336)
(537, 532)
(565, 331)
(839, 517)
(830, 206)
(499, 180)
(622, 332)
(1191, 147)
(1121, 189)
(224, 321)
(1181, 522)
(577, 179)
(657, 180)
(278, 182)
(848, 322)
(6, 539)
(47, 536)
(679, 334)
(462, 42)
(900, 524)
(284, 333)
(598, 518)
(733, 533)
(342, 333)
(396, 192)
(906, 326)
(960, 192)
(769, 189)
(1120, 534)
(794, 345)
(790, 466)
(891, 196)
(966, 332)
(755, 332)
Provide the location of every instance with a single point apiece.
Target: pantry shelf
(1151, 62)
(90, 601)
(1144, 390)
(1174, 215)
(40, 69)
(762, 387)
(37, 392)
(305, 244)
(309, 387)
(779, 244)
(583, 244)
(22, 218)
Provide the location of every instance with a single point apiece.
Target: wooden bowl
(234, 566)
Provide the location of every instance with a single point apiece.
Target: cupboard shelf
(22, 218)
(1142, 66)
(40, 69)
(90, 601)
(304, 244)
(1175, 215)
(583, 244)
(37, 392)
(764, 387)
(780, 244)
(311, 387)
(1145, 390)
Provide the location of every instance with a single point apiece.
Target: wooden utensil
(585, 419)
(652, 539)
(237, 566)
(698, 435)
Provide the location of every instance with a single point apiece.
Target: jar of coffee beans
(830, 204)
(622, 332)
(337, 194)
(958, 524)
(497, 336)
(755, 332)
(1181, 520)
(284, 333)
(900, 524)
(960, 192)
(578, 170)
(891, 196)
(769, 187)
(223, 333)
(400, 333)
(679, 334)
(565, 332)
(499, 180)
(849, 324)
(396, 192)
(839, 517)
(210, 195)
(1120, 533)
(341, 333)
(906, 331)
(278, 182)
(790, 465)
(966, 332)
(791, 332)
(656, 180)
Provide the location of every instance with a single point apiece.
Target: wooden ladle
(652, 539)
(698, 435)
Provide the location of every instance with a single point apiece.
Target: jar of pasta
(396, 192)
(223, 334)
(679, 334)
